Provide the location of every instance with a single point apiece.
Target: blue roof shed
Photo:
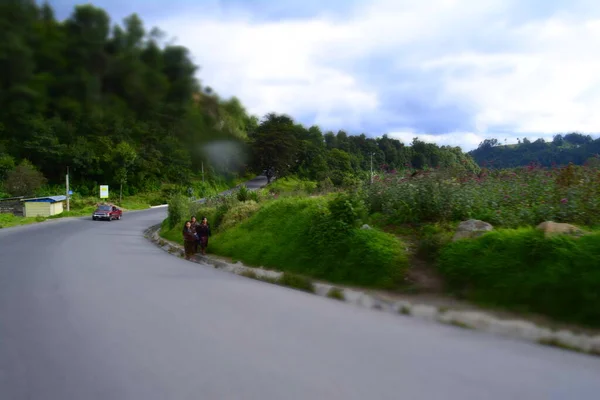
(46, 199)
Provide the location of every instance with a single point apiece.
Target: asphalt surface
(92, 310)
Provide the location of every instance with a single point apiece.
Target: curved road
(92, 310)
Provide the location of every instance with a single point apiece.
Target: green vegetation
(286, 279)
(336, 293)
(515, 268)
(112, 102)
(116, 106)
(295, 227)
(299, 235)
(296, 282)
(315, 236)
(9, 220)
(520, 268)
(293, 186)
(510, 198)
(573, 148)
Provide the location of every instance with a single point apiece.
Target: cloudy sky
(449, 71)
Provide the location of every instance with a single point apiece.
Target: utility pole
(68, 199)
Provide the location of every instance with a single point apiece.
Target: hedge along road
(92, 310)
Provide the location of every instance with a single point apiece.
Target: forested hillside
(117, 105)
(111, 102)
(573, 148)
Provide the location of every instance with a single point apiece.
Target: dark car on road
(107, 212)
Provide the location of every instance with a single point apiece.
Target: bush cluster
(317, 237)
(522, 269)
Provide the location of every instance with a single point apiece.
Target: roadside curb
(476, 320)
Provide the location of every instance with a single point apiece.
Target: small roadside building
(43, 206)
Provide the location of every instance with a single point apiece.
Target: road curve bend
(92, 310)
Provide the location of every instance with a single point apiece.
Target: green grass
(336, 293)
(174, 235)
(283, 234)
(296, 282)
(522, 270)
(287, 235)
(292, 185)
(10, 220)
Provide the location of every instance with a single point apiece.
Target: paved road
(91, 310)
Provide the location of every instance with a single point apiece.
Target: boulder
(365, 226)
(551, 228)
(471, 229)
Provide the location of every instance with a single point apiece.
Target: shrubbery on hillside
(318, 237)
(304, 236)
(557, 276)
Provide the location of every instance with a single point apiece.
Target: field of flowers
(507, 198)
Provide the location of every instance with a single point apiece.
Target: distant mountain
(573, 148)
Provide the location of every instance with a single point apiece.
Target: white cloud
(541, 90)
(466, 140)
(542, 79)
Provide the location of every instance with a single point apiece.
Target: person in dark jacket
(189, 240)
(203, 231)
(195, 224)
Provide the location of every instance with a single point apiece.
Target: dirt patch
(421, 276)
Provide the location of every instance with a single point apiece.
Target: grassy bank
(9, 220)
(317, 237)
(523, 270)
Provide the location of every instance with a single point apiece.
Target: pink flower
(564, 201)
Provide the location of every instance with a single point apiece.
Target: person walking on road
(203, 231)
(189, 240)
(195, 224)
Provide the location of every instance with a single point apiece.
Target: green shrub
(325, 185)
(243, 194)
(557, 276)
(295, 235)
(179, 208)
(171, 190)
(433, 238)
(255, 196)
(238, 213)
(224, 204)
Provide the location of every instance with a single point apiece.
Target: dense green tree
(274, 146)
(24, 180)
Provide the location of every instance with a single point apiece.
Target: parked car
(107, 212)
